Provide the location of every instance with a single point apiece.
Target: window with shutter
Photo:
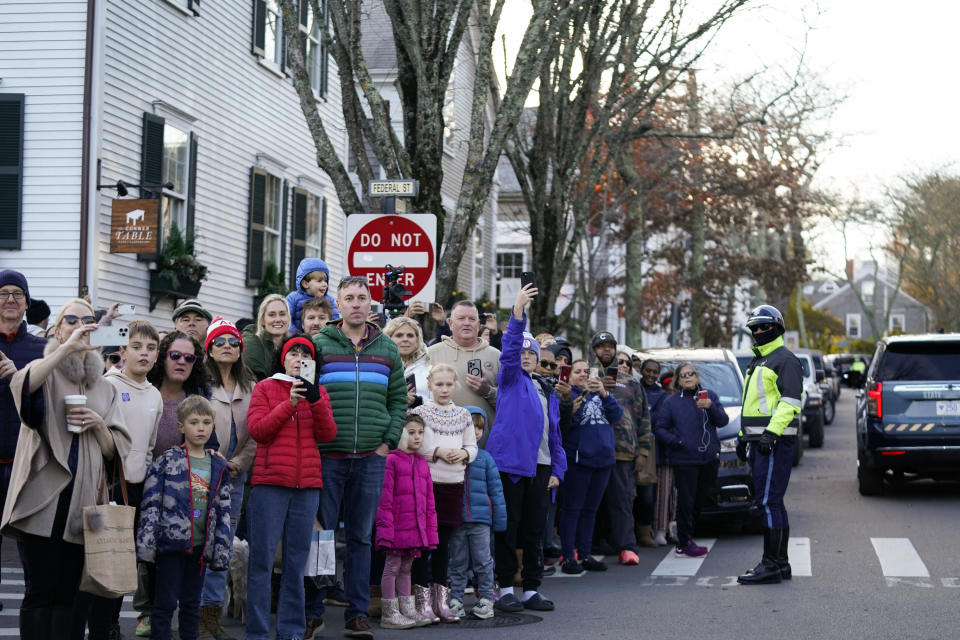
(151, 154)
(258, 203)
(259, 27)
(169, 154)
(298, 242)
(316, 53)
(268, 33)
(11, 169)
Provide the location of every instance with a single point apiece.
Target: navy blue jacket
(588, 437)
(518, 426)
(655, 394)
(483, 493)
(687, 435)
(23, 349)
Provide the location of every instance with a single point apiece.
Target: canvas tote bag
(109, 551)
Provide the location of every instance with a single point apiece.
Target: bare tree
(427, 35)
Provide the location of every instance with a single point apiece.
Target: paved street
(876, 568)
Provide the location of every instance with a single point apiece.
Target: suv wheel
(816, 431)
(871, 481)
(829, 411)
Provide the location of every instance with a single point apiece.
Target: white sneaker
(456, 606)
(672, 532)
(660, 537)
(483, 609)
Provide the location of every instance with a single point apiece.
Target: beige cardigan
(40, 469)
(225, 409)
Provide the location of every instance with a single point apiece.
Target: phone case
(474, 367)
(112, 336)
(564, 374)
(528, 277)
(308, 370)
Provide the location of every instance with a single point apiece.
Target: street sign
(376, 240)
(399, 188)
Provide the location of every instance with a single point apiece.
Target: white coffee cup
(73, 402)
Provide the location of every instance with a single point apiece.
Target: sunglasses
(222, 340)
(113, 357)
(189, 358)
(72, 319)
(760, 328)
(548, 365)
(688, 374)
(623, 362)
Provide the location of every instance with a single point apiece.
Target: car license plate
(948, 407)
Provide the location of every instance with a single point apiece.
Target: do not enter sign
(376, 240)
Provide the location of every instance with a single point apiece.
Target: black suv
(908, 413)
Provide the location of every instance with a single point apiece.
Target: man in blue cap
(17, 348)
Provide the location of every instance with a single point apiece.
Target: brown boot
(644, 538)
(374, 608)
(210, 626)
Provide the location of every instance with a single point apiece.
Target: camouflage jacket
(166, 513)
(632, 429)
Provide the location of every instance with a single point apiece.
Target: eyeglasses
(16, 295)
(112, 357)
(623, 362)
(688, 374)
(72, 319)
(546, 364)
(222, 340)
(189, 358)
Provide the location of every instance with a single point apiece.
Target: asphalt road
(878, 568)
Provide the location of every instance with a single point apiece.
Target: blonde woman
(408, 335)
(260, 341)
(57, 467)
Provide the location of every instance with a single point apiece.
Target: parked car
(732, 497)
(833, 379)
(812, 400)
(827, 383)
(908, 413)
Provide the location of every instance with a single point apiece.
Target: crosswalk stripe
(798, 550)
(898, 558)
(674, 565)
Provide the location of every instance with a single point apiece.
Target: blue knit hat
(9, 276)
(530, 344)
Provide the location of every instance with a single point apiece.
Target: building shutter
(192, 187)
(323, 51)
(255, 239)
(283, 226)
(259, 27)
(11, 169)
(194, 5)
(151, 155)
(304, 13)
(323, 228)
(298, 245)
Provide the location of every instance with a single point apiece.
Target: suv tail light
(875, 400)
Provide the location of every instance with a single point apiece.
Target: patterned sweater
(448, 427)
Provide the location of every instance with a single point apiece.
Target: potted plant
(178, 273)
(273, 281)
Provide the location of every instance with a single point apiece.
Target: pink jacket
(406, 516)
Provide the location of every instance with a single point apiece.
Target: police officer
(771, 406)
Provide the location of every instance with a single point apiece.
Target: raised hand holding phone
(524, 296)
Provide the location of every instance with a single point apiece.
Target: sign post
(376, 240)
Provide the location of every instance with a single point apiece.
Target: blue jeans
(215, 582)
(583, 489)
(355, 483)
(276, 512)
(471, 542)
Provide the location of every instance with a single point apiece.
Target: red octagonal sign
(374, 241)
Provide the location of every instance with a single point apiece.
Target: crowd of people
(443, 464)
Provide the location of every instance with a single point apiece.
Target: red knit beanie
(219, 327)
(296, 341)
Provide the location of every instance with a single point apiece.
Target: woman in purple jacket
(685, 426)
(526, 444)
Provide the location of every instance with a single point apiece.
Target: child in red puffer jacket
(406, 524)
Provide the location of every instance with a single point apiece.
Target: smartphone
(528, 277)
(613, 371)
(475, 367)
(112, 336)
(412, 381)
(564, 374)
(374, 307)
(701, 395)
(594, 372)
(308, 370)
(126, 309)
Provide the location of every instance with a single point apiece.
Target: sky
(893, 62)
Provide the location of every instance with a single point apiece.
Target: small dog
(238, 578)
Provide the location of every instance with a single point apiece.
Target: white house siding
(42, 48)
(203, 66)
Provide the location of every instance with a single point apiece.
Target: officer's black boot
(783, 561)
(768, 571)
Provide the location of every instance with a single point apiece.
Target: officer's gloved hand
(311, 392)
(768, 439)
(741, 450)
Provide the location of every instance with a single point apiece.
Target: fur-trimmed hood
(86, 367)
